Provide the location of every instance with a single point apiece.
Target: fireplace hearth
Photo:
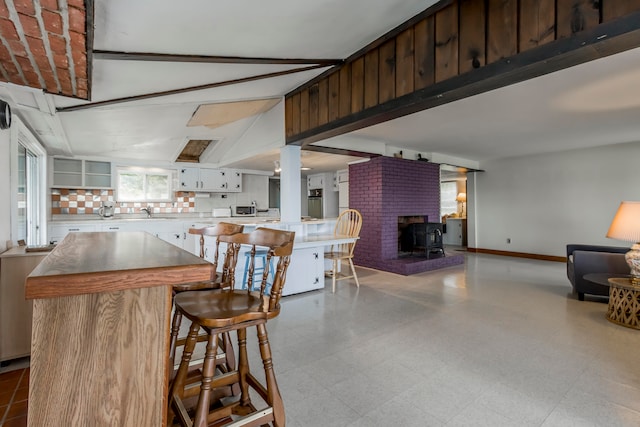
(417, 237)
(383, 189)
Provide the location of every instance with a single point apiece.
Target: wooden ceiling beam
(208, 59)
(184, 90)
(341, 151)
(452, 54)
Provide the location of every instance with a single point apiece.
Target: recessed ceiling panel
(193, 150)
(215, 115)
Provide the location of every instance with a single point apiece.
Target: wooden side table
(624, 303)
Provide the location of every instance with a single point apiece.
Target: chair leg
(176, 392)
(334, 273)
(175, 329)
(229, 364)
(243, 367)
(208, 370)
(273, 393)
(353, 270)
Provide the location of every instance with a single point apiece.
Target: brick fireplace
(384, 189)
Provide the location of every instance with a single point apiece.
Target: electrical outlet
(508, 240)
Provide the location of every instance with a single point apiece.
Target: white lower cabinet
(170, 231)
(57, 232)
(174, 237)
(120, 226)
(456, 232)
(306, 271)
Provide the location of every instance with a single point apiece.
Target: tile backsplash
(67, 201)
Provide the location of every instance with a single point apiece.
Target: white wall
(5, 188)
(544, 202)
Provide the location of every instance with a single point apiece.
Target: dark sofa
(585, 259)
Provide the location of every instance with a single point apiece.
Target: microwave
(244, 211)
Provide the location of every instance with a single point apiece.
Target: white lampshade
(626, 223)
(461, 197)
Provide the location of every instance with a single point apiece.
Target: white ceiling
(591, 104)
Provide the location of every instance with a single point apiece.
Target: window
(448, 193)
(28, 192)
(144, 185)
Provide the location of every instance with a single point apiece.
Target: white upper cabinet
(234, 180)
(213, 180)
(190, 179)
(316, 181)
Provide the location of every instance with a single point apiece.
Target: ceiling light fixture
(278, 169)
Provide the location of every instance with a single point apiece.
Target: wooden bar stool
(257, 270)
(218, 280)
(234, 310)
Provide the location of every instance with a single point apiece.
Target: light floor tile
(498, 341)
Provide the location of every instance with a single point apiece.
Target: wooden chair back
(279, 244)
(349, 224)
(220, 229)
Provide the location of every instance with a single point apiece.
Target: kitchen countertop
(315, 240)
(195, 219)
(106, 262)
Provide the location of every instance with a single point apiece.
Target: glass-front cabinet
(77, 173)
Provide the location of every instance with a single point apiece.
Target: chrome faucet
(148, 210)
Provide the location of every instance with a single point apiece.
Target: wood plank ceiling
(453, 50)
(44, 45)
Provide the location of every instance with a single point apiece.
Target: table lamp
(462, 198)
(626, 226)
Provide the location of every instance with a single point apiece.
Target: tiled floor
(14, 391)
(498, 341)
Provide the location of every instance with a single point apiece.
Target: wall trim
(519, 254)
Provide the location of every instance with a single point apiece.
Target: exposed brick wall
(384, 189)
(58, 61)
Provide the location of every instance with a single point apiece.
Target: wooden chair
(348, 224)
(218, 281)
(220, 229)
(234, 310)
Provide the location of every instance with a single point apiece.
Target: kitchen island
(101, 315)
(306, 272)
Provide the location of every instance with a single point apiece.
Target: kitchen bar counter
(101, 315)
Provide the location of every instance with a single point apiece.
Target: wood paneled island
(101, 316)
